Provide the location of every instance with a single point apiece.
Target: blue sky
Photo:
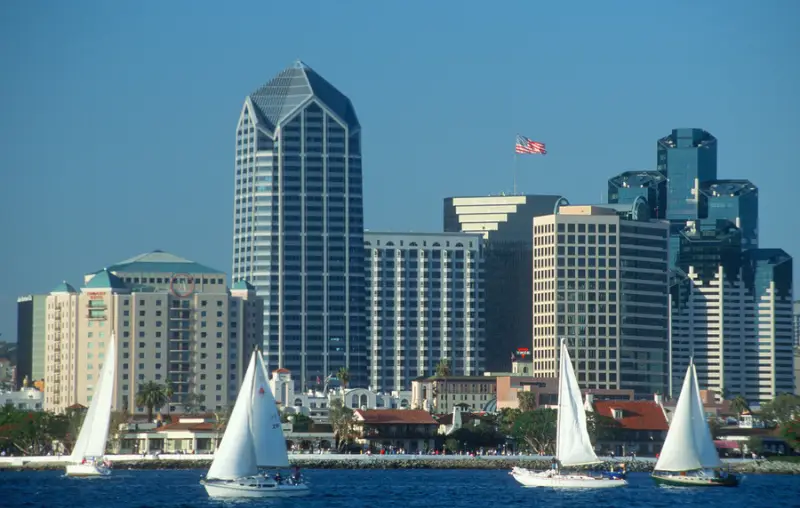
(117, 119)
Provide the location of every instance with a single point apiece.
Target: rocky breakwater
(767, 467)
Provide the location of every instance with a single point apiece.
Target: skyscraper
(298, 224)
(600, 281)
(505, 222)
(735, 201)
(687, 157)
(31, 337)
(427, 299)
(651, 185)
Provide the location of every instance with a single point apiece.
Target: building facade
(175, 323)
(687, 158)
(31, 337)
(796, 321)
(298, 224)
(505, 223)
(626, 187)
(733, 315)
(426, 304)
(600, 281)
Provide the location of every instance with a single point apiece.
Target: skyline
(114, 88)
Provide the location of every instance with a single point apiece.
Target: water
(383, 489)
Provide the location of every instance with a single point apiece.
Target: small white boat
(253, 439)
(87, 456)
(689, 457)
(573, 446)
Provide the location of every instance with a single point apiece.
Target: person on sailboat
(296, 476)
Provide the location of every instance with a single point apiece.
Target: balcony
(91, 316)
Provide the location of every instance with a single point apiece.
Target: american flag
(525, 145)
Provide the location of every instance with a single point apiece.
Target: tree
(443, 368)
(527, 400)
(114, 434)
(344, 378)
(220, 421)
(739, 405)
(715, 428)
(506, 418)
(151, 395)
(30, 432)
(299, 421)
(478, 436)
(755, 444)
(169, 392)
(782, 409)
(341, 418)
(601, 427)
(194, 403)
(537, 429)
(791, 433)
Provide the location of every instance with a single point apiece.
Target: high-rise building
(298, 224)
(426, 304)
(626, 187)
(31, 337)
(600, 281)
(687, 158)
(732, 313)
(175, 322)
(796, 320)
(735, 201)
(505, 223)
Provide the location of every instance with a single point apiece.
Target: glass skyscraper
(737, 202)
(687, 157)
(651, 185)
(298, 224)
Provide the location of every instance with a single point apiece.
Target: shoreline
(166, 462)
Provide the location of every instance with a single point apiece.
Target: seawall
(335, 461)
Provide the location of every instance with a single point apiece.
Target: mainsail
(94, 430)
(689, 445)
(270, 442)
(236, 456)
(573, 446)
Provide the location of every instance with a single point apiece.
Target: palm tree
(443, 368)
(168, 393)
(739, 405)
(151, 395)
(344, 378)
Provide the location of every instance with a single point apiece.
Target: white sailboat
(573, 446)
(87, 455)
(253, 439)
(689, 457)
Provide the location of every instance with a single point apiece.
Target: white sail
(573, 446)
(94, 430)
(236, 457)
(688, 445)
(270, 442)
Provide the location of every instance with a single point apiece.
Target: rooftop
(728, 188)
(242, 285)
(281, 96)
(636, 414)
(64, 287)
(105, 280)
(395, 416)
(159, 261)
(638, 179)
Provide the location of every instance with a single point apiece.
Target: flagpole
(514, 171)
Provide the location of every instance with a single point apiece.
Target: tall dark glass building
(651, 185)
(735, 201)
(298, 224)
(687, 158)
(506, 223)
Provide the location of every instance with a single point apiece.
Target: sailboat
(689, 457)
(87, 455)
(573, 446)
(253, 439)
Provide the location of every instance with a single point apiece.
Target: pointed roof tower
(291, 88)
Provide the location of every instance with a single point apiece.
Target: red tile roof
(636, 414)
(196, 427)
(282, 371)
(395, 416)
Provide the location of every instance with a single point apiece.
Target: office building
(175, 322)
(796, 320)
(600, 281)
(31, 337)
(687, 158)
(650, 185)
(735, 201)
(505, 223)
(732, 312)
(298, 224)
(426, 302)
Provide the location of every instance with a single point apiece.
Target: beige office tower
(176, 323)
(600, 281)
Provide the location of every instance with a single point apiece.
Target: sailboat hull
(253, 486)
(696, 481)
(87, 470)
(550, 479)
